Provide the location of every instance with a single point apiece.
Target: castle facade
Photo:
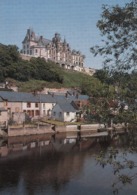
(54, 50)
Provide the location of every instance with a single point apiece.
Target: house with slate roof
(79, 100)
(64, 111)
(68, 107)
(34, 105)
(59, 107)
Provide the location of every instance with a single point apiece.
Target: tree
(118, 26)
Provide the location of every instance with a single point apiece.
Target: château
(54, 50)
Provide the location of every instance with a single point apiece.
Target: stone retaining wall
(29, 131)
(90, 127)
(71, 128)
(60, 128)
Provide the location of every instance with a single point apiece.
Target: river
(56, 165)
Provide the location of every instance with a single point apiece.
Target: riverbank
(73, 130)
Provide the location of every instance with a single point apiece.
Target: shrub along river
(39, 165)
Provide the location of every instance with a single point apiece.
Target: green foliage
(121, 166)
(11, 65)
(118, 26)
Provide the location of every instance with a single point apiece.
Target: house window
(54, 113)
(44, 105)
(36, 105)
(28, 104)
(5, 103)
(37, 113)
(60, 114)
(67, 113)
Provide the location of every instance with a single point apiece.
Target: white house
(64, 111)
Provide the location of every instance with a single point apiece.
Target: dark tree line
(12, 66)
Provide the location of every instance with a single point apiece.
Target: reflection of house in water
(25, 144)
(63, 145)
(40, 163)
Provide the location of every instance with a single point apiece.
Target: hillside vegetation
(37, 73)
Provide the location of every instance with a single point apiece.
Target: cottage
(63, 110)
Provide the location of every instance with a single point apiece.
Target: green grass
(59, 123)
(74, 79)
(70, 79)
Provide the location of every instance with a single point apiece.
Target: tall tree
(118, 26)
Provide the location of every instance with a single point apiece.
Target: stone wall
(21, 131)
(60, 128)
(71, 128)
(90, 127)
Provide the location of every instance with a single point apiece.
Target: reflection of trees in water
(121, 156)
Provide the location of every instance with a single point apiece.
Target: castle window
(36, 51)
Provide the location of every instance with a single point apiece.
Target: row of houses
(19, 106)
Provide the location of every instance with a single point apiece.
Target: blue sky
(75, 20)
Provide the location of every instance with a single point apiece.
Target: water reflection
(52, 164)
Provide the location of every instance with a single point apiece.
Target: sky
(74, 20)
